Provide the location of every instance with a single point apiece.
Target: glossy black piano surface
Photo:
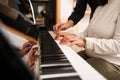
(18, 20)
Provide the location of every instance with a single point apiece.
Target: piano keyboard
(60, 62)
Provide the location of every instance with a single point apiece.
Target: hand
(26, 47)
(62, 26)
(71, 40)
(32, 57)
(60, 35)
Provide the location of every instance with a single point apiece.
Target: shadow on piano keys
(61, 62)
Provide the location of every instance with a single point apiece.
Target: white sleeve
(83, 34)
(105, 46)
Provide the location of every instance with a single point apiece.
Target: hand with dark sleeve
(78, 13)
(81, 5)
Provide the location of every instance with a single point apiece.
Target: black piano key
(57, 69)
(49, 57)
(51, 51)
(54, 61)
(49, 45)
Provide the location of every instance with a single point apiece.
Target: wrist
(84, 43)
(71, 23)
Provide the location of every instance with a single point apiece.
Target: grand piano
(56, 62)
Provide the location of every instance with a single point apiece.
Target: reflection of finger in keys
(36, 49)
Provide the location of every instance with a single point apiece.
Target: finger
(32, 67)
(32, 42)
(74, 43)
(68, 40)
(58, 35)
(64, 41)
(33, 51)
(56, 28)
(25, 50)
(35, 48)
(27, 44)
(31, 54)
(69, 44)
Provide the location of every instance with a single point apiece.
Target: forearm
(103, 46)
(79, 11)
(70, 23)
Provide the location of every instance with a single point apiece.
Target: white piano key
(57, 64)
(57, 75)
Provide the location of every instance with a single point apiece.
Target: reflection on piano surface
(14, 21)
(17, 20)
(61, 62)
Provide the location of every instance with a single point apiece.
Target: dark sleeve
(79, 11)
